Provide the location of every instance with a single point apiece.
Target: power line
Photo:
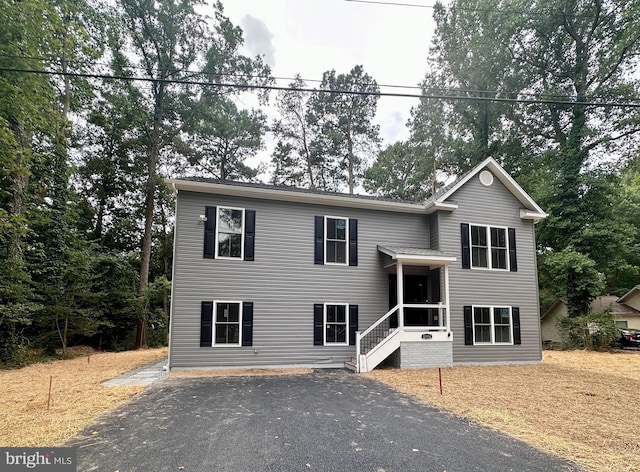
(445, 91)
(202, 83)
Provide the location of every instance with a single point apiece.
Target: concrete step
(351, 365)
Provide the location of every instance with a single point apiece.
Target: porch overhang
(415, 256)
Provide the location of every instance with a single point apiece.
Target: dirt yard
(77, 396)
(578, 405)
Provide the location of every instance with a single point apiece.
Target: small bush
(595, 331)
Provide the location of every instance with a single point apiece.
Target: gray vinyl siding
(492, 206)
(434, 231)
(283, 282)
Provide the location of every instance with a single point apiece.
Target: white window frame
(215, 322)
(493, 325)
(487, 229)
(346, 240)
(324, 324)
(217, 255)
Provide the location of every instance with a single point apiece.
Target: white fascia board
(293, 196)
(532, 215)
(508, 181)
(434, 206)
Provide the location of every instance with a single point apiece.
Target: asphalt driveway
(326, 421)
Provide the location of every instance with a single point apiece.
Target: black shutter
(247, 323)
(249, 234)
(318, 324)
(206, 319)
(318, 252)
(515, 315)
(353, 324)
(466, 248)
(513, 261)
(468, 326)
(210, 232)
(353, 242)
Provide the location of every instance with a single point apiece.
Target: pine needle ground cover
(576, 404)
(77, 396)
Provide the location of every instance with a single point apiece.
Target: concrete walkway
(143, 376)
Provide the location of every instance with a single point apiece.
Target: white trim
(532, 215)
(217, 256)
(508, 181)
(492, 325)
(285, 195)
(489, 248)
(214, 322)
(324, 324)
(346, 240)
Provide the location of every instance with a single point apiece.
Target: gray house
(274, 276)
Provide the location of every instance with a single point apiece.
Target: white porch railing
(381, 334)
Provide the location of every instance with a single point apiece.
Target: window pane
(341, 252)
(483, 334)
(499, 258)
(235, 249)
(341, 334)
(478, 236)
(222, 312)
(221, 333)
(341, 314)
(481, 315)
(224, 244)
(230, 221)
(331, 334)
(501, 316)
(498, 237)
(479, 257)
(331, 228)
(336, 252)
(233, 334)
(341, 229)
(503, 334)
(331, 313)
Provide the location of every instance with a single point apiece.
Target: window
(226, 324)
(335, 324)
(622, 324)
(229, 233)
(226, 328)
(336, 238)
(335, 241)
(491, 325)
(488, 247)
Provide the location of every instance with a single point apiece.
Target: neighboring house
(276, 276)
(626, 310)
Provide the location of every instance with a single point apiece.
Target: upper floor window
(336, 240)
(488, 247)
(230, 233)
(336, 237)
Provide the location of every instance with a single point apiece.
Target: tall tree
(293, 160)
(223, 138)
(342, 112)
(170, 42)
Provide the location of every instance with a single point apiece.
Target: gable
(486, 175)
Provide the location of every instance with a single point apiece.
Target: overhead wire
(204, 83)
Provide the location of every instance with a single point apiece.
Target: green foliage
(400, 171)
(594, 331)
(570, 275)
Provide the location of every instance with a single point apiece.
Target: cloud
(257, 38)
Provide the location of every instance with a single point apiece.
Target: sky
(309, 37)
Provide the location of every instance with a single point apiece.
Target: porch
(417, 324)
